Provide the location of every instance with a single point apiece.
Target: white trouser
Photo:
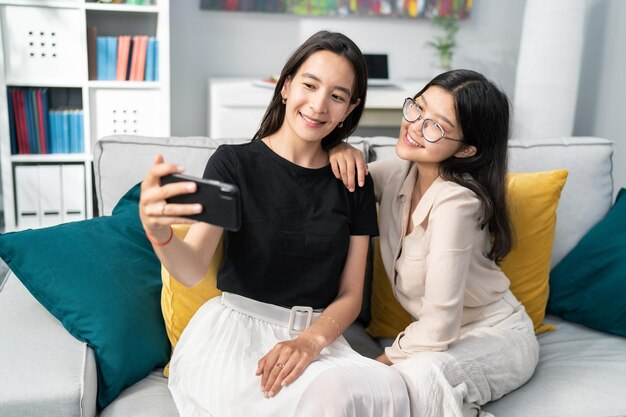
(483, 365)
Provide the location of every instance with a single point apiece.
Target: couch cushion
(389, 318)
(45, 371)
(533, 198)
(588, 285)
(581, 373)
(121, 161)
(149, 397)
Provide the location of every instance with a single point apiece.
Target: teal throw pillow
(102, 280)
(588, 285)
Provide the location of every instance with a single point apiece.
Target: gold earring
(340, 125)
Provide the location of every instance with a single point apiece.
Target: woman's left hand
(344, 161)
(285, 363)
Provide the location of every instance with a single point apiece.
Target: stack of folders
(49, 194)
(37, 129)
(125, 58)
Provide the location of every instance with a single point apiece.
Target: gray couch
(46, 372)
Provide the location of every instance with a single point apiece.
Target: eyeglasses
(431, 130)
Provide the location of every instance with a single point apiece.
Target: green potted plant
(445, 44)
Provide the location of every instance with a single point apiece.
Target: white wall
(211, 44)
(601, 110)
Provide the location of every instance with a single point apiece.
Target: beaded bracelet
(159, 244)
(335, 323)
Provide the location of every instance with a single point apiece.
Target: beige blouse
(438, 271)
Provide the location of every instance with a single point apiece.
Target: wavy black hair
(482, 110)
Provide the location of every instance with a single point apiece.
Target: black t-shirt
(296, 226)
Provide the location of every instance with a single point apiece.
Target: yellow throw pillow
(388, 316)
(533, 199)
(178, 302)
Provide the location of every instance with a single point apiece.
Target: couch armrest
(45, 371)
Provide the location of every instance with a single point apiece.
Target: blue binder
(52, 137)
(12, 128)
(101, 53)
(111, 57)
(150, 61)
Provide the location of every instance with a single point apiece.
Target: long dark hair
(482, 110)
(321, 41)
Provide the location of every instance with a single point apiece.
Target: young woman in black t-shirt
(303, 242)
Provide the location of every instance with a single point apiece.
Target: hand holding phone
(221, 202)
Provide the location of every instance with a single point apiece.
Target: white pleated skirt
(212, 371)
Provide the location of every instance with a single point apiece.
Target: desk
(236, 106)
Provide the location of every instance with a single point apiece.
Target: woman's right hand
(156, 214)
(344, 161)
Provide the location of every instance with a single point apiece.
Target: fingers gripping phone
(221, 202)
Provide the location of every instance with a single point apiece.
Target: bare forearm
(183, 262)
(337, 317)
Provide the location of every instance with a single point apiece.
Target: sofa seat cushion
(44, 370)
(149, 397)
(581, 373)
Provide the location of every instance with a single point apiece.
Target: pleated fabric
(212, 373)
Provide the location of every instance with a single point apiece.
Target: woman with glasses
(292, 275)
(444, 227)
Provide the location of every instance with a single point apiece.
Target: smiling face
(438, 105)
(318, 97)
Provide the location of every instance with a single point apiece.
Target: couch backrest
(588, 192)
(122, 161)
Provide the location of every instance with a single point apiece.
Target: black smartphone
(221, 202)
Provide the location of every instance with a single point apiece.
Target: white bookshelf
(109, 107)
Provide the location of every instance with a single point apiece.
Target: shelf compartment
(45, 120)
(122, 23)
(43, 44)
(125, 112)
(47, 194)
